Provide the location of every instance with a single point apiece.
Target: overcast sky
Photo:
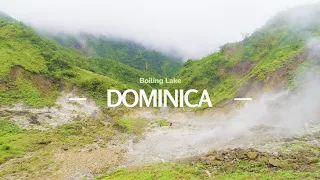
(190, 29)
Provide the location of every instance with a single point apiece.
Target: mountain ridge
(269, 59)
(43, 134)
(124, 51)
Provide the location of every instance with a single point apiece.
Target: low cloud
(190, 29)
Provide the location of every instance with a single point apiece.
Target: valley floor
(99, 148)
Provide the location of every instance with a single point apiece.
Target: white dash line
(77, 99)
(242, 99)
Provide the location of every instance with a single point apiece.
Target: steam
(258, 124)
(188, 29)
(287, 111)
(272, 116)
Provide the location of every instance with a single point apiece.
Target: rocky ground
(193, 134)
(65, 111)
(301, 160)
(191, 139)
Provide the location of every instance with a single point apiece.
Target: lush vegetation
(162, 122)
(35, 68)
(32, 90)
(252, 60)
(111, 64)
(126, 52)
(241, 170)
(132, 126)
(162, 171)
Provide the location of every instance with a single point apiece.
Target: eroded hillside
(276, 136)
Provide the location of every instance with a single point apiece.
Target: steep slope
(34, 69)
(5, 17)
(266, 60)
(126, 52)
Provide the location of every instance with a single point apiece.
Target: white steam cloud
(273, 116)
(287, 111)
(185, 28)
(259, 123)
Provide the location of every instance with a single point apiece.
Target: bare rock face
(65, 148)
(34, 120)
(312, 160)
(241, 154)
(230, 155)
(252, 155)
(64, 112)
(211, 160)
(299, 159)
(274, 162)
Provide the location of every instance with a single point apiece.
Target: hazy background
(190, 29)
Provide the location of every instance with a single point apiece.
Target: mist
(263, 123)
(187, 29)
(287, 113)
(295, 108)
(257, 124)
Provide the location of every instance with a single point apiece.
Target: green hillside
(34, 69)
(5, 17)
(126, 52)
(266, 60)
